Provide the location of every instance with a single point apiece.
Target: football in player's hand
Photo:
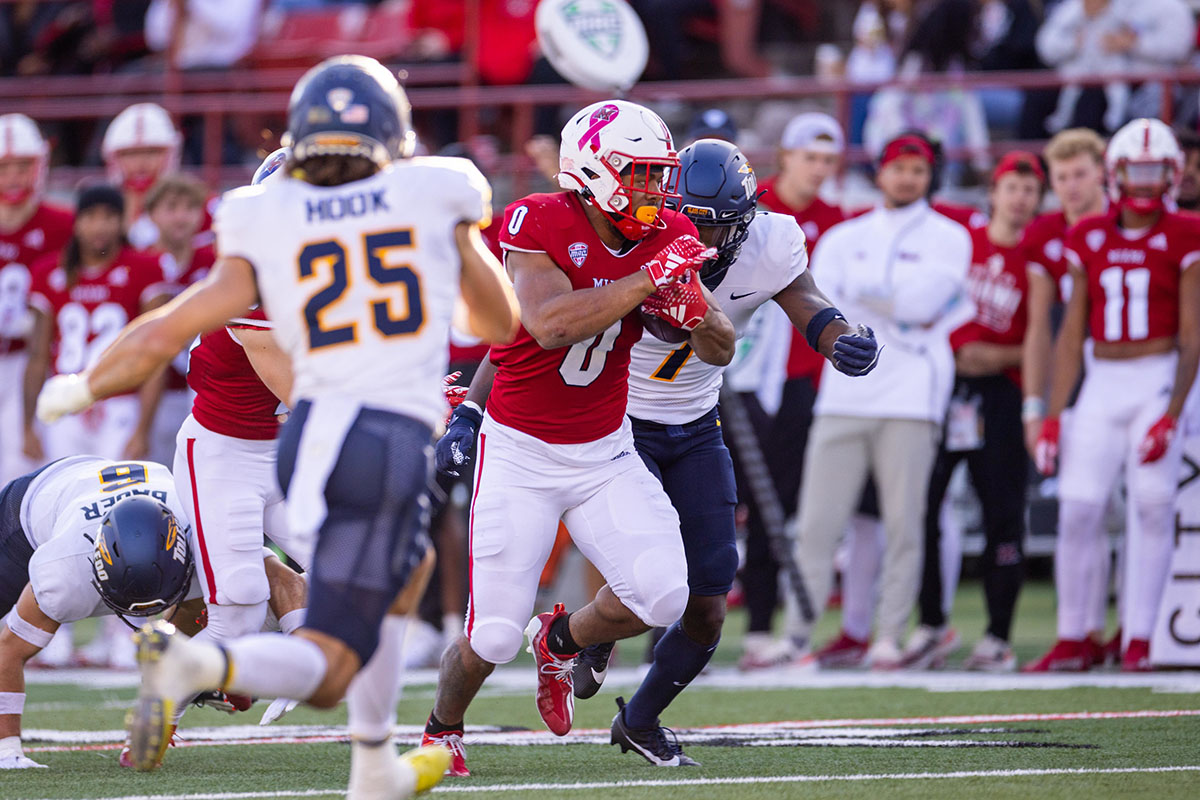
(661, 329)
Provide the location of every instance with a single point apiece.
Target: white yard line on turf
(60, 741)
(520, 679)
(559, 787)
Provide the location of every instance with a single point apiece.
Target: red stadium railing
(214, 96)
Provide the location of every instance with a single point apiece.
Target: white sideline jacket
(903, 272)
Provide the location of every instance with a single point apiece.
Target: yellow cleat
(429, 763)
(150, 722)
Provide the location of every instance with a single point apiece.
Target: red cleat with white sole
(452, 741)
(556, 690)
(1067, 655)
(1137, 657)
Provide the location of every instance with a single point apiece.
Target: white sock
(292, 620)
(1147, 562)
(860, 578)
(949, 554)
(375, 690)
(1080, 532)
(274, 665)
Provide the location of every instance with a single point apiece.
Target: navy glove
(453, 450)
(856, 353)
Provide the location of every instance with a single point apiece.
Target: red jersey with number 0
(574, 394)
(88, 316)
(997, 282)
(230, 397)
(1133, 280)
(46, 231)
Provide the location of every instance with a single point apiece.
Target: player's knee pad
(244, 582)
(228, 622)
(496, 640)
(712, 565)
(661, 588)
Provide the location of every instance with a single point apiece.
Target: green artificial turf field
(782, 734)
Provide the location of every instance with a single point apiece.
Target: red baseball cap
(1014, 160)
(907, 145)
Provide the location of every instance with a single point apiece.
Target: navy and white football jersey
(61, 513)
(667, 383)
(361, 280)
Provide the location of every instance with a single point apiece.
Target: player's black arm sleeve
(801, 300)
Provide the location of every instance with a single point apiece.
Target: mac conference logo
(598, 22)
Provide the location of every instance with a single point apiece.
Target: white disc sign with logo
(595, 44)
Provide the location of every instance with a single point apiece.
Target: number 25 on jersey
(330, 258)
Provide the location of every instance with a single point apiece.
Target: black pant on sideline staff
(999, 472)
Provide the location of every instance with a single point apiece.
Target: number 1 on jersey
(668, 370)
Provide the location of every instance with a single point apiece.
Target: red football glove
(1157, 440)
(454, 394)
(1045, 452)
(673, 261)
(682, 304)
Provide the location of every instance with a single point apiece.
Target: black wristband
(817, 324)
(467, 415)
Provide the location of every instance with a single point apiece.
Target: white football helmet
(1143, 153)
(20, 138)
(140, 125)
(609, 141)
(272, 166)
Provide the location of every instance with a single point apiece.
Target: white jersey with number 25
(360, 280)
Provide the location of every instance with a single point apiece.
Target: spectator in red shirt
(984, 424)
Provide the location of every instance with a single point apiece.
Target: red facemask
(1135, 173)
(16, 197)
(139, 185)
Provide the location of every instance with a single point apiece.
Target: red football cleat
(1137, 657)
(844, 651)
(555, 692)
(452, 741)
(1067, 655)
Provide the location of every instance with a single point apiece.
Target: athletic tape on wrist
(291, 620)
(24, 630)
(12, 703)
(816, 325)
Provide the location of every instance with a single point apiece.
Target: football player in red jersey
(175, 204)
(555, 443)
(984, 426)
(82, 297)
(142, 145)
(29, 228)
(1075, 159)
(1136, 291)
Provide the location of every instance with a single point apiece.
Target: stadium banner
(1176, 640)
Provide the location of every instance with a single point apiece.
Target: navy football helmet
(141, 562)
(718, 191)
(350, 106)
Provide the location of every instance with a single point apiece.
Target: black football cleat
(591, 668)
(651, 744)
